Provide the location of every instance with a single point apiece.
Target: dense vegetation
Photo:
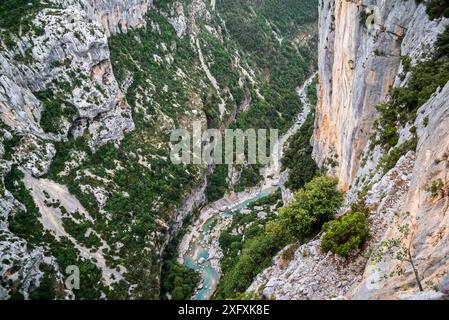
(79, 230)
(231, 243)
(298, 156)
(177, 281)
(217, 183)
(16, 18)
(246, 254)
(313, 205)
(401, 109)
(279, 65)
(437, 8)
(249, 177)
(282, 64)
(346, 234)
(25, 224)
(443, 44)
(132, 213)
(426, 78)
(55, 111)
(143, 187)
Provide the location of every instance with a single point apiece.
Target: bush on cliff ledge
(313, 205)
(346, 234)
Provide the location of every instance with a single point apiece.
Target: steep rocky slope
(387, 152)
(48, 61)
(89, 93)
(358, 65)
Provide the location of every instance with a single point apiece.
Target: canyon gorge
(90, 91)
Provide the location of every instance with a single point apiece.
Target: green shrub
(49, 288)
(25, 223)
(298, 156)
(79, 231)
(313, 205)
(346, 234)
(177, 281)
(426, 78)
(90, 275)
(406, 63)
(443, 43)
(389, 160)
(256, 255)
(217, 184)
(363, 17)
(249, 177)
(17, 15)
(437, 8)
(248, 254)
(55, 110)
(435, 188)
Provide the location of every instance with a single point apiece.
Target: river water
(197, 257)
(198, 249)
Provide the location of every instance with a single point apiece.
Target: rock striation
(358, 64)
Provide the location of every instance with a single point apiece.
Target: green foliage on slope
(312, 206)
(140, 57)
(90, 275)
(401, 109)
(232, 243)
(143, 186)
(437, 8)
(177, 281)
(426, 78)
(17, 15)
(443, 44)
(24, 223)
(298, 156)
(133, 192)
(279, 65)
(217, 184)
(346, 234)
(258, 27)
(55, 111)
(247, 254)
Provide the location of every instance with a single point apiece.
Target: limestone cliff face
(119, 16)
(428, 222)
(357, 66)
(115, 15)
(64, 60)
(366, 62)
(73, 49)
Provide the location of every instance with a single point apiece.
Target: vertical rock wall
(357, 66)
